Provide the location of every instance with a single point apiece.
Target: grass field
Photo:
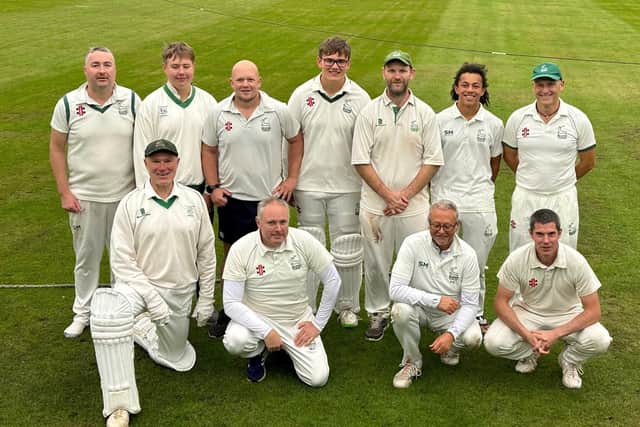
(47, 380)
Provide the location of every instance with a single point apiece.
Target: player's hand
(448, 304)
(273, 341)
(70, 203)
(285, 189)
(536, 344)
(307, 332)
(219, 196)
(396, 202)
(442, 344)
(546, 339)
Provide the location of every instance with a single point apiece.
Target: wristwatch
(209, 188)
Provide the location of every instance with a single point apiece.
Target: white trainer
(75, 329)
(528, 364)
(570, 373)
(406, 375)
(451, 358)
(119, 418)
(348, 319)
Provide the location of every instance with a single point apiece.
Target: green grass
(47, 380)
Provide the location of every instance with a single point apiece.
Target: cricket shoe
(119, 418)
(571, 372)
(256, 369)
(406, 375)
(75, 329)
(348, 319)
(378, 323)
(528, 364)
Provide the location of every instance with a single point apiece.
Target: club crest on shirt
(572, 228)
(346, 107)
(379, 122)
(142, 212)
(190, 211)
(481, 136)
(562, 132)
(454, 276)
(294, 262)
(123, 108)
(414, 126)
(265, 124)
(163, 110)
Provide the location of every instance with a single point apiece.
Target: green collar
(174, 98)
(165, 203)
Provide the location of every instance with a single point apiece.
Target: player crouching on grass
(435, 282)
(558, 300)
(265, 295)
(162, 244)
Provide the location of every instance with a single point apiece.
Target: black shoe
(217, 324)
(256, 370)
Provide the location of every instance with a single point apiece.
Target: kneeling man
(558, 300)
(161, 244)
(435, 282)
(265, 295)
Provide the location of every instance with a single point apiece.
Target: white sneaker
(406, 375)
(119, 418)
(348, 319)
(528, 364)
(75, 329)
(451, 358)
(570, 373)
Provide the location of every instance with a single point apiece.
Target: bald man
(242, 157)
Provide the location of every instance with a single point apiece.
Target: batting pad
(112, 332)
(312, 278)
(348, 254)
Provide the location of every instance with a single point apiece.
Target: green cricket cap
(547, 70)
(160, 145)
(398, 55)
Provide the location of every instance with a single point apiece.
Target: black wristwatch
(209, 188)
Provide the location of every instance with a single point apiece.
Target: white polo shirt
(327, 124)
(397, 145)
(166, 244)
(449, 272)
(250, 152)
(163, 115)
(467, 146)
(275, 279)
(99, 142)
(547, 152)
(548, 290)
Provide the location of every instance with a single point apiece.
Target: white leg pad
(348, 253)
(112, 333)
(312, 279)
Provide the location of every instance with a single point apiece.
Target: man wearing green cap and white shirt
(162, 243)
(549, 144)
(396, 151)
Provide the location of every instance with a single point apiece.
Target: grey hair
(444, 204)
(269, 200)
(96, 49)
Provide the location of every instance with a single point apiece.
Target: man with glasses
(435, 283)
(396, 151)
(326, 107)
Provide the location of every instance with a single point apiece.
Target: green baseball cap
(160, 145)
(398, 55)
(547, 70)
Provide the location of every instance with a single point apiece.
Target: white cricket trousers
(407, 319)
(501, 341)
(382, 237)
(91, 231)
(310, 362)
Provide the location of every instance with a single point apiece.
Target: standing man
(265, 296)
(559, 300)
(396, 151)
(175, 112)
(435, 282)
(472, 147)
(326, 107)
(91, 158)
(549, 145)
(242, 156)
(162, 245)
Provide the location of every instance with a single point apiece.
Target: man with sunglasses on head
(326, 107)
(435, 282)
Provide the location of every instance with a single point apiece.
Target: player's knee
(597, 339)
(401, 313)
(472, 337)
(318, 377)
(109, 303)
(236, 339)
(493, 342)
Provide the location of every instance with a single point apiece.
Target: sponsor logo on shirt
(423, 264)
(533, 282)
(311, 101)
(524, 132)
(448, 132)
(80, 110)
(260, 270)
(228, 126)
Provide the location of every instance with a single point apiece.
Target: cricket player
(90, 151)
(265, 296)
(549, 145)
(326, 107)
(175, 112)
(396, 151)
(472, 148)
(558, 301)
(162, 244)
(435, 282)
(242, 157)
